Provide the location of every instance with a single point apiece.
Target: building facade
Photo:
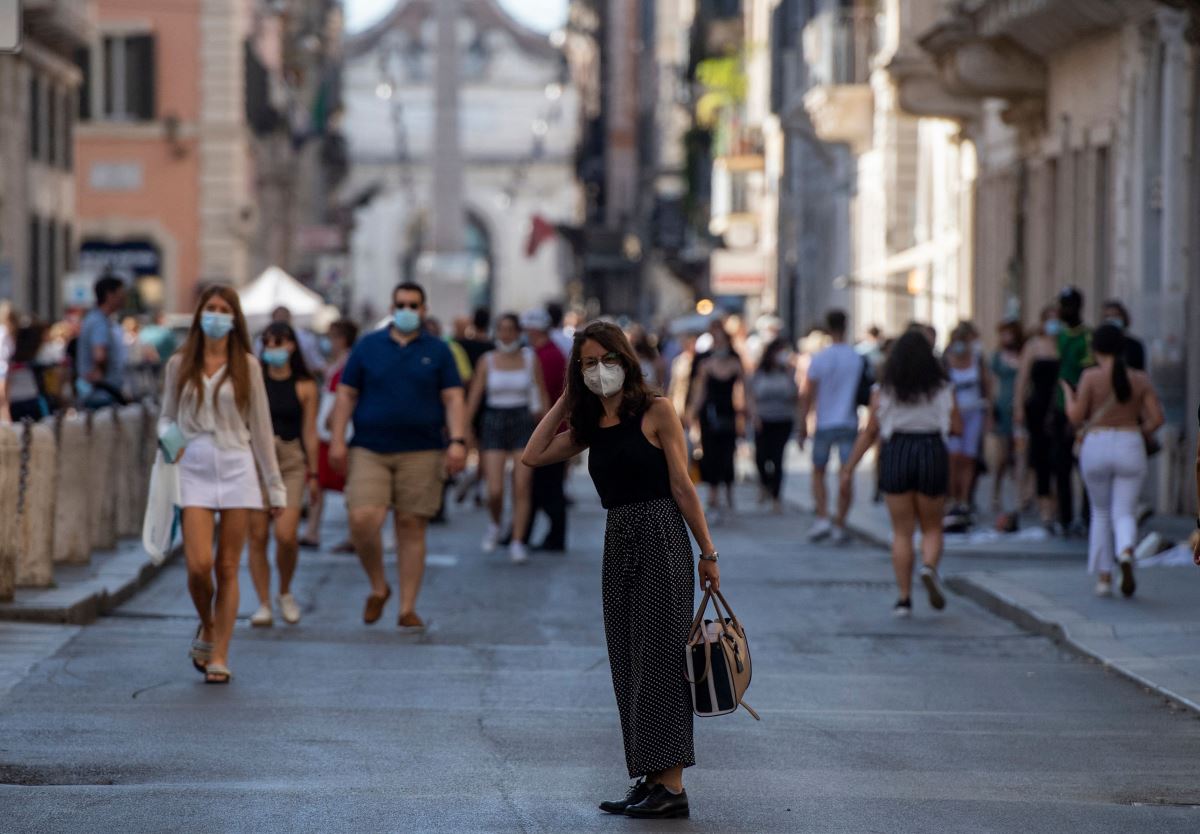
(1084, 121)
(190, 117)
(517, 132)
(902, 179)
(39, 88)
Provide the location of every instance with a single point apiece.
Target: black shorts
(914, 463)
(505, 429)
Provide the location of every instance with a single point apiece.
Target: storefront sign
(737, 273)
(115, 176)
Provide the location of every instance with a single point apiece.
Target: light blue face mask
(406, 320)
(1052, 327)
(276, 357)
(1117, 323)
(216, 325)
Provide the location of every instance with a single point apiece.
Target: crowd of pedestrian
(262, 428)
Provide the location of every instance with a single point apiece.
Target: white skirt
(218, 479)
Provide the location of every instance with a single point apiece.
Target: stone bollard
(35, 517)
(10, 471)
(72, 511)
(101, 477)
(130, 480)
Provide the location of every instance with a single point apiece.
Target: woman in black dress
(717, 408)
(638, 463)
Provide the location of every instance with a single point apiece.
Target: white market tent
(275, 288)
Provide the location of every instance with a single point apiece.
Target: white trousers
(1113, 465)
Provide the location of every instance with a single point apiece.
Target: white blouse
(927, 416)
(219, 416)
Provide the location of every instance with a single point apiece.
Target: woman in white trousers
(1117, 411)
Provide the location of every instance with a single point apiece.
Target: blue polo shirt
(400, 392)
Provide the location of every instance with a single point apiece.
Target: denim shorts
(826, 439)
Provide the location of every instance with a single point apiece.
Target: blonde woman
(215, 405)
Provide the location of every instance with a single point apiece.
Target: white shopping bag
(161, 523)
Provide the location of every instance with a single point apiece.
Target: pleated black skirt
(648, 581)
(914, 463)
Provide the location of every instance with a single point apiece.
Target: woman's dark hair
(643, 343)
(347, 329)
(279, 331)
(768, 363)
(28, 340)
(1110, 341)
(585, 407)
(512, 318)
(912, 373)
(1013, 328)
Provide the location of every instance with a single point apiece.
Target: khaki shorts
(294, 469)
(408, 481)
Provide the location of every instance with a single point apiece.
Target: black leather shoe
(660, 804)
(635, 795)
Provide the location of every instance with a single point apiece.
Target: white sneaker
(1103, 588)
(262, 618)
(820, 530)
(491, 537)
(517, 553)
(838, 535)
(289, 608)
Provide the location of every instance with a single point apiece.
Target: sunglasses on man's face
(408, 305)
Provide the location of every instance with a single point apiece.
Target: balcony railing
(838, 46)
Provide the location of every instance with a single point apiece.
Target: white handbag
(161, 522)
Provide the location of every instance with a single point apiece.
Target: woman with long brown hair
(638, 462)
(293, 397)
(215, 405)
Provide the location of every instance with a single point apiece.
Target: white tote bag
(161, 523)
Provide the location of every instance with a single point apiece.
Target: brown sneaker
(411, 621)
(374, 607)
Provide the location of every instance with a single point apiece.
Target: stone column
(35, 522)
(446, 197)
(1176, 173)
(1167, 363)
(72, 513)
(10, 453)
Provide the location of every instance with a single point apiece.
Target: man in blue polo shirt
(402, 389)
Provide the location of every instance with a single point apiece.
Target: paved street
(502, 718)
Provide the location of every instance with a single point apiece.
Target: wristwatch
(711, 557)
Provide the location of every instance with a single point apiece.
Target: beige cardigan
(230, 429)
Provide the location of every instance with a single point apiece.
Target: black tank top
(626, 467)
(1043, 379)
(286, 411)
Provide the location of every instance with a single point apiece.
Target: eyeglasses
(410, 305)
(609, 360)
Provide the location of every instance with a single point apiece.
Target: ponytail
(1120, 380)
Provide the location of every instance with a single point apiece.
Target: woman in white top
(913, 409)
(215, 396)
(508, 386)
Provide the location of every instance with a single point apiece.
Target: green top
(1074, 355)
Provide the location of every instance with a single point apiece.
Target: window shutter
(83, 60)
(35, 115)
(140, 77)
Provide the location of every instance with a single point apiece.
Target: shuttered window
(83, 60)
(128, 80)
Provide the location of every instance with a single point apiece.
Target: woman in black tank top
(638, 462)
(293, 399)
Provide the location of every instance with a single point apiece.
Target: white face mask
(604, 381)
(508, 347)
